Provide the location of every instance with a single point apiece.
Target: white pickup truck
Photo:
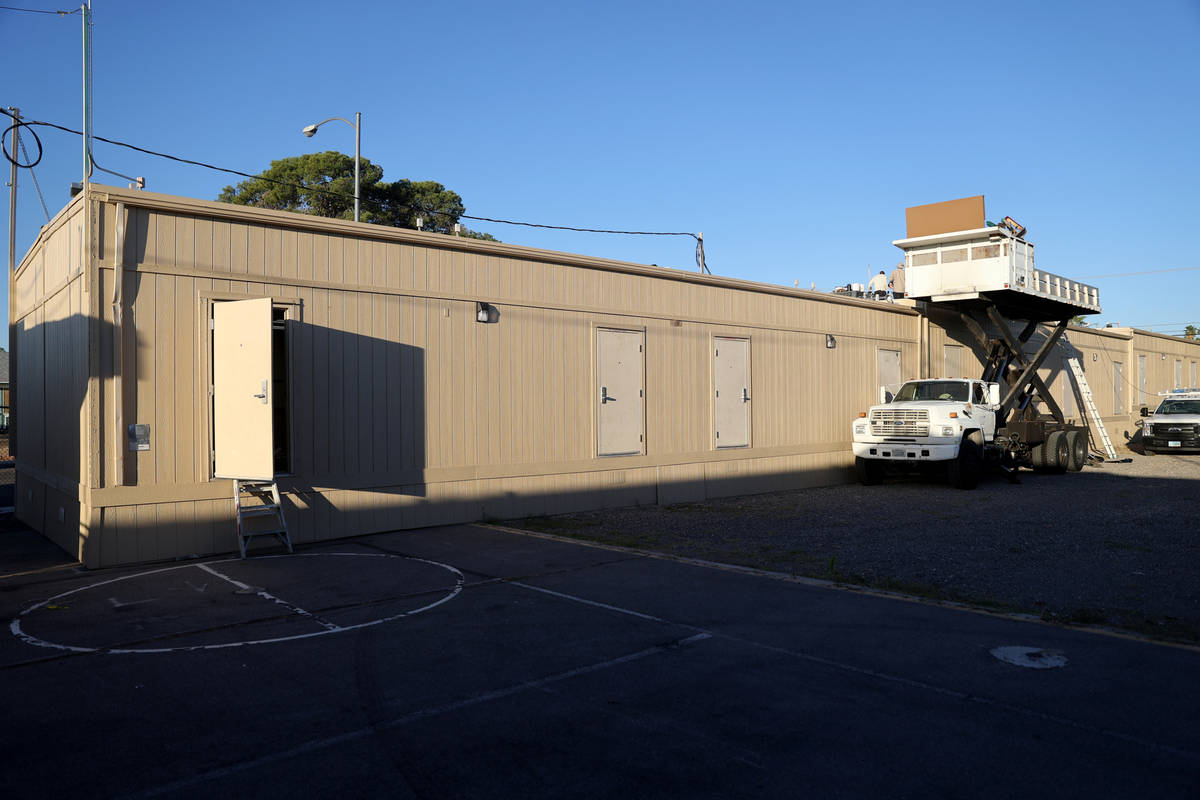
(958, 423)
(1174, 426)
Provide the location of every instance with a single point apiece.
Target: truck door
(243, 444)
(985, 412)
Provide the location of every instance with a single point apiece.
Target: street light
(311, 130)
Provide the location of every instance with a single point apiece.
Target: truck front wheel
(964, 470)
(870, 471)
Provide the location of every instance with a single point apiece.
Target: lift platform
(987, 267)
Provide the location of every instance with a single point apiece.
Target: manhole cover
(1030, 657)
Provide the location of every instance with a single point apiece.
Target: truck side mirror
(1145, 412)
(993, 394)
(884, 395)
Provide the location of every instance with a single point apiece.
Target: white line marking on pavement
(890, 678)
(118, 604)
(596, 604)
(263, 593)
(416, 716)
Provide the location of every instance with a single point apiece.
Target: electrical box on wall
(139, 437)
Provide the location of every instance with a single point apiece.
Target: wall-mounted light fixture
(486, 312)
(830, 342)
(1095, 356)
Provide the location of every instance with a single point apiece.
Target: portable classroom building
(589, 383)
(402, 409)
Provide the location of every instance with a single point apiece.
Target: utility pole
(86, 8)
(12, 191)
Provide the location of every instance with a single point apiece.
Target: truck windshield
(933, 390)
(1176, 407)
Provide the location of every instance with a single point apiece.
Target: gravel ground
(1115, 545)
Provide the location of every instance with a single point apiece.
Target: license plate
(1172, 444)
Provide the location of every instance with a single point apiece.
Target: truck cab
(949, 420)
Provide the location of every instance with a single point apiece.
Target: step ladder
(1089, 403)
(261, 518)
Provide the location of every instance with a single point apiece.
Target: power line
(348, 196)
(583, 230)
(1141, 272)
(40, 11)
(1164, 325)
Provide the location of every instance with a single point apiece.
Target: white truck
(957, 423)
(1173, 427)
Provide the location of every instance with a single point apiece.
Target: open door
(242, 419)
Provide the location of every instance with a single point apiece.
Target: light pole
(357, 125)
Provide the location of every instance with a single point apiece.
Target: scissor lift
(986, 274)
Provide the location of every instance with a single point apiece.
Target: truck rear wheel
(1037, 457)
(1077, 444)
(964, 470)
(870, 471)
(1058, 452)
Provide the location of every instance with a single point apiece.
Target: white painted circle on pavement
(240, 588)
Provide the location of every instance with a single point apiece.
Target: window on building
(1118, 388)
(1141, 380)
(952, 361)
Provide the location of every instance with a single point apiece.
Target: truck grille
(1172, 430)
(900, 422)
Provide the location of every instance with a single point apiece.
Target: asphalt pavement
(468, 661)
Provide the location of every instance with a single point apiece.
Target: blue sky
(792, 134)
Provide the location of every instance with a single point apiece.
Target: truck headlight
(1147, 429)
(860, 429)
(947, 430)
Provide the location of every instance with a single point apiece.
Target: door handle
(263, 394)
(745, 395)
(604, 398)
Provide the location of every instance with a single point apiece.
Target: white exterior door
(620, 430)
(888, 371)
(242, 420)
(731, 392)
